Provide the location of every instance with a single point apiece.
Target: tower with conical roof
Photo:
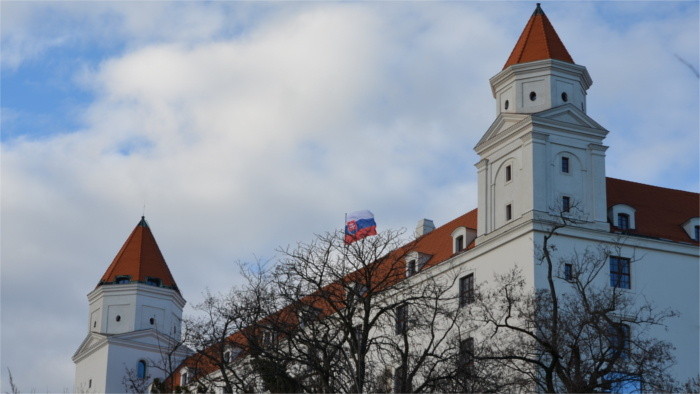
(543, 155)
(134, 320)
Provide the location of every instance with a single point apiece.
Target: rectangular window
(697, 233)
(620, 272)
(509, 212)
(465, 361)
(401, 319)
(566, 204)
(619, 340)
(466, 290)
(568, 272)
(623, 221)
(459, 243)
(508, 174)
(565, 164)
(411, 268)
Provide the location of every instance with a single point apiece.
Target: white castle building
(543, 155)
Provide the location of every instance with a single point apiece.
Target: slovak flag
(358, 225)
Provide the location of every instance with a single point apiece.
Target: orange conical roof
(140, 259)
(538, 41)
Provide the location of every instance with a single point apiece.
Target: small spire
(538, 10)
(143, 222)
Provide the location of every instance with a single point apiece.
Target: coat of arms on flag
(358, 225)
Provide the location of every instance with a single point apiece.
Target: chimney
(424, 226)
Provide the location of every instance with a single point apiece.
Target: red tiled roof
(660, 212)
(140, 258)
(538, 41)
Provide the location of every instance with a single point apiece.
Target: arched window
(141, 369)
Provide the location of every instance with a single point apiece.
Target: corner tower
(542, 156)
(134, 319)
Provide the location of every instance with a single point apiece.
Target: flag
(359, 224)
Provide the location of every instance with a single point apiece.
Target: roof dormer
(622, 217)
(692, 228)
(461, 238)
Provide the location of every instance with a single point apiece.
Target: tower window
(620, 272)
(564, 97)
(509, 174)
(94, 324)
(122, 279)
(565, 164)
(533, 96)
(506, 104)
(697, 233)
(623, 221)
(566, 204)
(509, 212)
(151, 320)
(153, 282)
(118, 318)
(90, 383)
(141, 369)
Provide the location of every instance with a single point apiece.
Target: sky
(242, 127)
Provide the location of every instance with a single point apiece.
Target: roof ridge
(650, 185)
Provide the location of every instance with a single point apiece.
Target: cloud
(246, 127)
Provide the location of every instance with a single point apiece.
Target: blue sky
(246, 126)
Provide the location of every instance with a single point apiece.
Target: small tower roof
(538, 41)
(140, 259)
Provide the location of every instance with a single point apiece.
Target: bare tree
(331, 317)
(580, 333)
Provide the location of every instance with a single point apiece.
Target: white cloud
(245, 127)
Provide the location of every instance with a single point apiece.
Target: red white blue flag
(358, 225)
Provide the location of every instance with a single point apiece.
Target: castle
(541, 157)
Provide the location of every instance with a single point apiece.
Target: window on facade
(568, 272)
(401, 324)
(697, 233)
(459, 243)
(268, 338)
(566, 204)
(509, 174)
(465, 366)
(466, 290)
(619, 338)
(152, 321)
(620, 272)
(227, 356)
(122, 279)
(153, 281)
(400, 376)
(90, 383)
(141, 369)
(184, 377)
(623, 221)
(509, 212)
(565, 164)
(308, 314)
(411, 268)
